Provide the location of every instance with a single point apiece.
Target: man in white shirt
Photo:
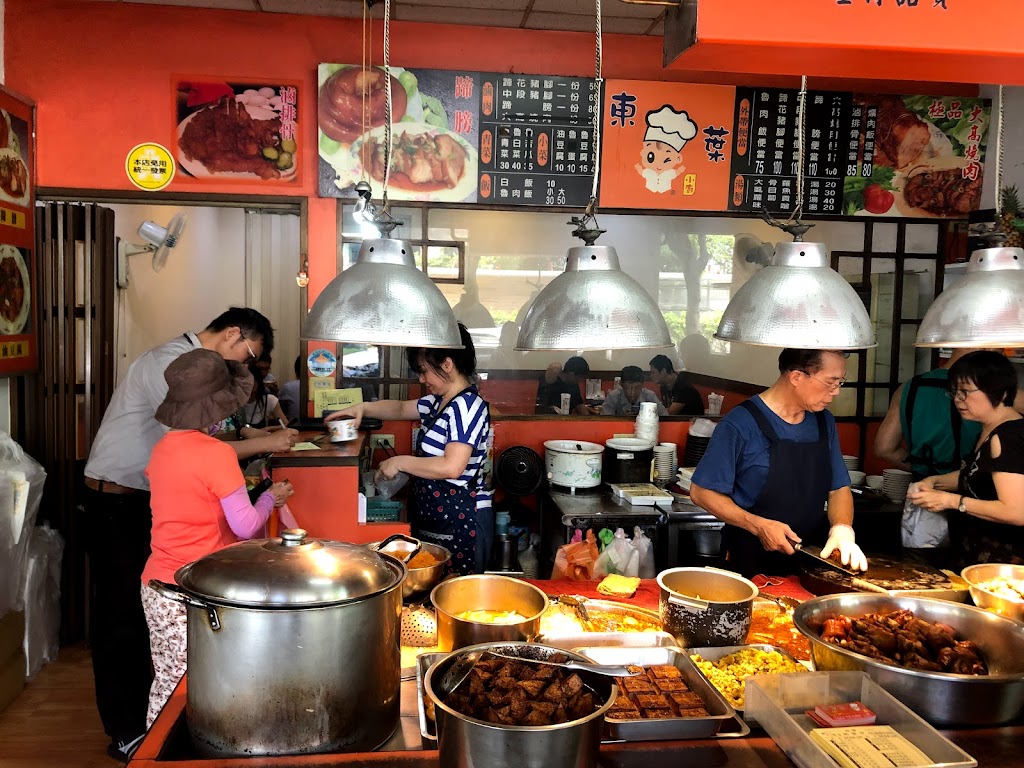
(118, 518)
(626, 401)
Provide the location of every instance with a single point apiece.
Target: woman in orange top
(198, 497)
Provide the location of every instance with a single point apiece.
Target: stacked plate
(852, 462)
(895, 483)
(695, 447)
(666, 464)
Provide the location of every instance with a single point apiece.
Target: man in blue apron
(773, 464)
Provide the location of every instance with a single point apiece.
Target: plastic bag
(645, 551)
(921, 529)
(576, 559)
(388, 488)
(42, 599)
(21, 489)
(619, 557)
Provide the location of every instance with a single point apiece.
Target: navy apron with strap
(445, 512)
(798, 485)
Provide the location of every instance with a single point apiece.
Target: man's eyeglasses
(252, 355)
(832, 386)
(959, 395)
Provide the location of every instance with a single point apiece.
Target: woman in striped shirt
(452, 508)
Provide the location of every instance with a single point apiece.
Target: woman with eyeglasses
(985, 497)
(773, 463)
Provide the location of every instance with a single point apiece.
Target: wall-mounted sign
(237, 131)
(321, 362)
(18, 297)
(458, 137)
(149, 166)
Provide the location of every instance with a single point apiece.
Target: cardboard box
(12, 634)
(12, 678)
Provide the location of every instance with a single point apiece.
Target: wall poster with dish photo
(235, 131)
(435, 132)
(18, 337)
(920, 156)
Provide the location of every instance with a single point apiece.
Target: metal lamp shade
(797, 301)
(383, 299)
(593, 305)
(984, 309)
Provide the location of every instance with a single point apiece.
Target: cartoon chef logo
(661, 160)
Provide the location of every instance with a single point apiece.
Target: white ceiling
(617, 16)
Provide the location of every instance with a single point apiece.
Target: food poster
(666, 145)
(766, 152)
(536, 139)
(435, 132)
(918, 156)
(236, 131)
(18, 337)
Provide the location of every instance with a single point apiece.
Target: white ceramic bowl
(857, 477)
(874, 481)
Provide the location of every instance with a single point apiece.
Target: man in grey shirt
(118, 518)
(626, 401)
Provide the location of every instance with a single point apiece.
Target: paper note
(868, 746)
(336, 399)
(305, 447)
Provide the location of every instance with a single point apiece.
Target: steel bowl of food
(953, 664)
(997, 587)
(485, 608)
(424, 569)
(554, 717)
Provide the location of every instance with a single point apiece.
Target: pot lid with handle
(290, 571)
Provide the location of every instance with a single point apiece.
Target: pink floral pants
(168, 642)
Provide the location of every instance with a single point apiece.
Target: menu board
(536, 140)
(19, 351)
(457, 137)
(666, 145)
(865, 154)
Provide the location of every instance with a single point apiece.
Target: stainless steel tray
(645, 615)
(719, 711)
(618, 639)
(718, 652)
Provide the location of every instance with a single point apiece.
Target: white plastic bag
(619, 557)
(921, 529)
(21, 489)
(388, 488)
(42, 599)
(645, 553)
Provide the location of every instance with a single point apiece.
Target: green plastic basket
(380, 511)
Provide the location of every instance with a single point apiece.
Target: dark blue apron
(798, 485)
(446, 513)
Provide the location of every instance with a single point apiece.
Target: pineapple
(1011, 221)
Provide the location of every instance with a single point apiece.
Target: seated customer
(679, 396)
(549, 396)
(289, 398)
(626, 401)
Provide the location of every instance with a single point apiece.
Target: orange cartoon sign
(666, 145)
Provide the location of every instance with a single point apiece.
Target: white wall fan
(159, 242)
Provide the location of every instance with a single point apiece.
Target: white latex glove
(841, 537)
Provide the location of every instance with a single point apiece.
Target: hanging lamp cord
(365, 115)
(999, 155)
(596, 97)
(801, 110)
(387, 101)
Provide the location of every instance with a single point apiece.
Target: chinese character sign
(666, 145)
(18, 295)
(231, 132)
(435, 119)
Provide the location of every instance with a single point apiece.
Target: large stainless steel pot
(418, 581)
(705, 607)
(940, 698)
(485, 592)
(976, 575)
(465, 742)
(293, 646)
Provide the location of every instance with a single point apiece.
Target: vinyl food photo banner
(19, 352)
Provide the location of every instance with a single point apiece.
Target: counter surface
(328, 454)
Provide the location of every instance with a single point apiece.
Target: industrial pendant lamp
(798, 300)
(383, 298)
(593, 304)
(986, 307)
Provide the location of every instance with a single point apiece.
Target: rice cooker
(627, 460)
(573, 463)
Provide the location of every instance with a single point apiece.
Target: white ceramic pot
(573, 463)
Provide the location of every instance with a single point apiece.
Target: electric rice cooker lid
(581, 447)
(628, 444)
(290, 571)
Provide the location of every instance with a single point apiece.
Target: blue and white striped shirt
(464, 420)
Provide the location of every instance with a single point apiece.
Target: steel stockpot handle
(689, 602)
(178, 595)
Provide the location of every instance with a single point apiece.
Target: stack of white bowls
(895, 483)
(852, 462)
(666, 463)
